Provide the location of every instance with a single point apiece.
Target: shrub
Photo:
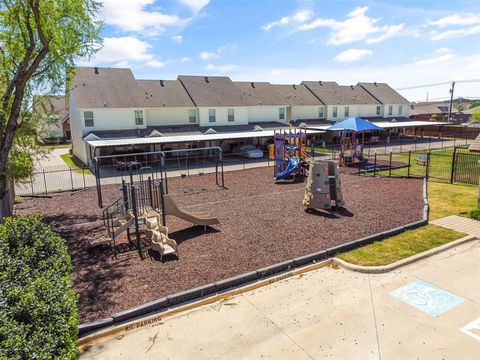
(38, 313)
(474, 214)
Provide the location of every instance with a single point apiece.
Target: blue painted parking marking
(427, 298)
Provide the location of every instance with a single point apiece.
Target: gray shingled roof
(384, 93)
(297, 95)
(161, 93)
(260, 93)
(333, 94)
(105, 88)
(213, 91)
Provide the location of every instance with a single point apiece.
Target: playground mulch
(261, 223)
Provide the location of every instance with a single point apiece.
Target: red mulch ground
(261, 223)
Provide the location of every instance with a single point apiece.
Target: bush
(38, 313)
(474, 214)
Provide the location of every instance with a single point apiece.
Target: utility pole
(451, 102)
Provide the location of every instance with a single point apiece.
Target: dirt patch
(261, 223)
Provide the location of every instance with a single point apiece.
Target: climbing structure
(290, 153)
(323, 186)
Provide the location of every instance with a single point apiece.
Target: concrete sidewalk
(327, 313)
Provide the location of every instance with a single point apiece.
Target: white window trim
(85, 120)
(195, 115)
(281, 111)
(400, 109)
(335, 111)
(135, 117)
(233, 115)
(346, 111)
(390, 110)
(322, 110)
(214, 115)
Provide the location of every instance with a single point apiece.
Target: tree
(39, 43)
(476, 114)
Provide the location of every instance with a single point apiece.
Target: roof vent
(393, 120)
(210, 131)
(161, 83)
(96, 70)
(257, 128)
(104, 104)
(303, 125)
(294, 86)
(375, 83)
(253, 84)
(320, 83)
(155, 133)
(206, 79)
(352, 87)
(91, 137)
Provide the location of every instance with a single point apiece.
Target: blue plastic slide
(292, 166)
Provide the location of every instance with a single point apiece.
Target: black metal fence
(451, 165)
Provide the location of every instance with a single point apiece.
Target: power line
(437, 84)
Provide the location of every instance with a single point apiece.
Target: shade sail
(356, 124)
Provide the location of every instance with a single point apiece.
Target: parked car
(248, 151)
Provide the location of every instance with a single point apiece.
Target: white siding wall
(113, 119)
(168, 116)
(305, 112)
(354, 110)
(241, 116)
(405, 110)
(76, 129)
(264, 113)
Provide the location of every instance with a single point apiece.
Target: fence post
(427, 168)
(83, 175)
(135, 215)
(452, 170)
(409, 162)
(31, 184)
(71, 178)
(45, 182)
(375, 165)
(390, 166)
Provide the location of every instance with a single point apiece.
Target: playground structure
(155, 164)
(143, 208)
(323, 186)
(290, 153)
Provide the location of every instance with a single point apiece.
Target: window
(347, 111)
(212, 115)
(400, 110)
(281, 113)
(192, 116)
(390, 110)
(231, 115)
(88, 118)
(378, 110)
(321, 113)
(334, 109)
(138, 117)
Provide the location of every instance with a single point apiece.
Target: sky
(403, 43)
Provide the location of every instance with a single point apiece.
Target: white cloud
(136, 16)
(449, 34)
(195, 5)
(178, 39)
(209, 55)
(352, 55)
(156, 64)
(297, 18)
(456, 19)
(120, 49)
(356, 26)
(205, 55)
(221, 69)
(185, 59)
(439, 56)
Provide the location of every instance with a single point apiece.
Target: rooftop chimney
(375, 83)
(253, 84)
(352, 87)
(320, 82)
(294, 86)
(206, 79)
(96, 70)
(161, 83)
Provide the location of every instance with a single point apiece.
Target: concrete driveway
(328, 313)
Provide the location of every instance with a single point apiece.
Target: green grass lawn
(401, 246)
(447, 199)
(75, 164)
(444, 200)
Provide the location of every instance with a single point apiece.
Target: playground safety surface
(261, 223)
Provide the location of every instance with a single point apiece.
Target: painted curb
(228, 284)
(397, 264)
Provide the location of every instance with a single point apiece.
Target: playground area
(260, 223)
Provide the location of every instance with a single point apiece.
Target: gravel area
(261, 223)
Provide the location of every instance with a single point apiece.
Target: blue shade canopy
(356, 124)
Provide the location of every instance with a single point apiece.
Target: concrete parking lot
(427, 310)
